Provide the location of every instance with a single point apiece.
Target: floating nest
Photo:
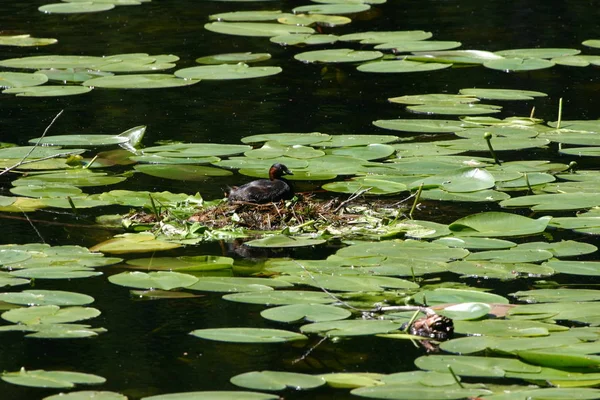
(277, 216)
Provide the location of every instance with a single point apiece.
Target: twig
(352, 197)
(37, 143)
(303, 357)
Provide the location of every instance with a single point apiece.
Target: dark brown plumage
(265, 190)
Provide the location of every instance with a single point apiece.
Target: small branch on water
(351, 198)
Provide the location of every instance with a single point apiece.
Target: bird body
(273, 189)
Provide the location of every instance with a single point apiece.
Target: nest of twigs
(272, 216)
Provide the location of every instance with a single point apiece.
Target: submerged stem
(416, 201)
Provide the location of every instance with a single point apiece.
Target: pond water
(147, 349)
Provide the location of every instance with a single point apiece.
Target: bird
(265, 190)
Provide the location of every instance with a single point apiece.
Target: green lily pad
(562, 201)
(50, 379)
(498, 224)
(404, 46)
(47, 91)
(303, 39)
(182, 263)
(54, 331)
(331, 9)
(455, 56)
(280, 297)
(337, 56)
(446, 295)
(546, 393)
(220, 395)
(80, 140)
(187, 150)
(374, 186)
(590, 268)
(25, 41)
(398, 66)
(279, 241)
(248, 335)
(305, 312)
(359, 283)
(226, 72)
(378, 37)
(139, 81)
(504, 270)
(311, 19)
(420, 125)
(73, 177)
(518, 64)
(502, 94)
(557, 295)
(539, 52)
(257, 29)
(362, 327)
(455, 109)
(249, 16)
(434, 98)
(56, 273)
(417, 392)
(180, 172)
(276, 380)
(233, 58)
(49, 314)
(75, 8)
(475, 243)
(46, 297)
(237, 284)
(21, 79)
(153, 280)
(474, 366)
(134, 243)
(87, 395)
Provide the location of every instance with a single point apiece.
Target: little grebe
(265, 190)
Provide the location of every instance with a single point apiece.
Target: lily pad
(277, 381)
(153, 280)
(502, 94)
(25, 41)
(87, 395)
(258, 29)
(139, 81)
(279, 241)
(180, 172)
(518, 64)
(47, 91)
(337, 56)
(51, 379)
(281, 297)
(399, 66)
(378, 37)
(248, 335)
(305, 312)
(21, 79)
(226, 72)
(75, 8)
(333, 9)
(49, 314)
(46, 297)
(216, 395)
(362, 327)
(498, 224)
(134, 243)
(421, 125)
(233, 58)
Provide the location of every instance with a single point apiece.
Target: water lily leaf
(288, 139)
(238, 16)
(401, 66)
(447, 295)
(80, 140)
(226, 72)
(498, 224)
(46, 297)
(54, 331)
(515, 255)
(50, 379)
(305, 312)
(417, 392)
(505, 344)
(575, 267)
(248, 335)
(407, 249)
(311, 19)
(181, 172)
(257, 29)
(237, 284)
(474, 366)
(331, 9)
(75, 8)
(7, 279)
(358, 283)
(455, 109)
(355, 140)
(538, 53)
(501, 327)
(404, 46)
(595, 43)
(10, 256)
(420, 125)
(56, 273)
(32, 152)
(55, 61)
(475, 243)
(139, 81)
(378, 37)
(375, 151)
(49, 314)
(562, 201)
(466, 311)
(564, 248)
(502, 94)
(276, 380)
(47, 91)
(557, 295)
(153, 280)
(182, 263)
(134, 243)
(87, 395)
(361, 327)
(280, 297)
(21, 79)
(434, 98)
(142, 198)
(186, 150)
(25, 41)
(73, 177)
(582, 312)
(455, 56)
(278, 241)
(546, 393)
(346, 380)
(518, 64)
(505, 270)
(374, 186)
(221, 395)
(233, 58)
(337, 56)
(303, 39)
(78, 202)
(578, 151)
(274, 149)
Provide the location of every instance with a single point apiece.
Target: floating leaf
(276, 380)
(46, 297)
(134, 243)
(226, 72)
(539, 52)
(21, 79)
(416, 392)
(281, 297)
(25, 41)
(233, 58)
(221, 395)
(498, 224)
(139, 81)
(377, 37)
(334, 9)
(305, 312)
(361, 327)
(50, 314)
(181, 172)
(50, 379)
(255, 29)
(87, 395)
(237, 284)
(401, 66)
(278, 241)
(248, 335)
(75, 8)
(153, 280)
(304, 39)
(518, 64)
(47, 91)
(421, 125)
(337, 56)
(403, 46)
(502, 94)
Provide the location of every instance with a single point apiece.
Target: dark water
(146, 349)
